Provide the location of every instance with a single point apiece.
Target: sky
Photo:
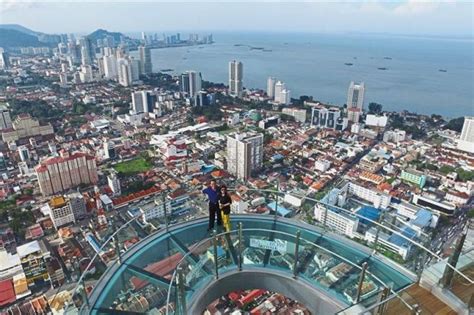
(411, 17)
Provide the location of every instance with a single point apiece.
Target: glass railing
(148, 277)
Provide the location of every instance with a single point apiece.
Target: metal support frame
(297, 246)
(86, 298)
(117, 249)
(240, 246)
(216, 264)
(383, 296)
(361, 281)
(181, 291)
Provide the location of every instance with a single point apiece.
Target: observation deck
(182, 268)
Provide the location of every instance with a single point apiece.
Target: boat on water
(382, 68)
(387, 58)
(166, 70)
(257, 48)
(348, 64)
(442, 70)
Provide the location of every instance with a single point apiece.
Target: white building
(60, 212)
(110, 67)
(191, 83)
(324, 117)
(63, 79)
(175, 203)
(236, 73)
(86, 74)
(298, 114)
(340, 221)
(355, 101)
(114, 184)
(394, 136)
(244, 153)
(271, 87)
(466, 141)
(124, 72)
(376, 121)
(377, 198)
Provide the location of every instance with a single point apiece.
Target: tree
(455, 124)
(375, 108)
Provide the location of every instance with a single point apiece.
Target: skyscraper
(355, 101)
(244, 154)
(236, 69)
(87, 51)
(145, 59)
(466, 140)
(114, 184)
(143, 102)
(124, 72)
(4, 60)
(5, 119)
(191, 82)
(271, 87)
(110, 67)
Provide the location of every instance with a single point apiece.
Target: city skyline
(401, 17)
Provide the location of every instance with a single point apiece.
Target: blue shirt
(212, 194)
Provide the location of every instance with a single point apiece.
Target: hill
(13, 38)
(19, 28)
(101, 34)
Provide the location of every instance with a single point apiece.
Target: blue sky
(442, 18)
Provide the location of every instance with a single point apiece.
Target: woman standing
(224, 205)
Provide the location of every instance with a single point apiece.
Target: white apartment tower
(271, 87)
(355, 101)
(466, 141)
(114, 184)
(244, 154)
(124, 72)
(236, 73)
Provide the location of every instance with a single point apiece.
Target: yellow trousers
(226, 221)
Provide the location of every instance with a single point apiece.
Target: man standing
(212, 193)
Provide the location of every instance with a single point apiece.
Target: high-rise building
(271, 87)
(110, 67)
(86, 74)
(5, 119)
(323, 117)
(466, 140)
(355, 101)
(114, 184)
(60, 211)
(135, 69)
(145, 59)
(236, 72)
(4, 60)
(58, 174)
(24, 153)
(143, 102)
(124, 72)
(87, 51)
(109, 149)
(281, 94)
(244, 154)
(62, 79)
(191, 82)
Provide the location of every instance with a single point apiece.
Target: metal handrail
(422, 247)
(277, 232)
(111, 237)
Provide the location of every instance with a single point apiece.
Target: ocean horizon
(427, 75)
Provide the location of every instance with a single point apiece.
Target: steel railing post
(240, 246)
(297, 245)
(361, 281)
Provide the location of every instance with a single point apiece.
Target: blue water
(313, 64)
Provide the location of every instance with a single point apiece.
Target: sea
(426, 75)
